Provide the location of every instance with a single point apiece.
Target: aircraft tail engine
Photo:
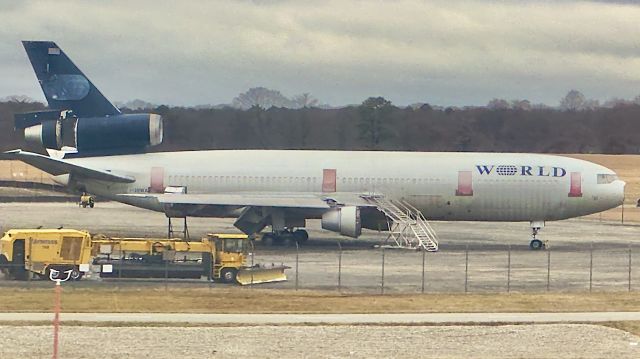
(55, 129)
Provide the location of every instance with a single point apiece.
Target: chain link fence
(390, 271)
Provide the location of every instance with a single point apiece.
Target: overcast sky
(440, 52)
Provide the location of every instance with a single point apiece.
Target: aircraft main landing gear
(286, 238)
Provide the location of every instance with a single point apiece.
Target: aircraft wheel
(536, 244)
(301, 235)
(268, 239)
(287, 240)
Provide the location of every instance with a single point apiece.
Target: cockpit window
(605, 178)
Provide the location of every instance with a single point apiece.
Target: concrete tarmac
(498, 258)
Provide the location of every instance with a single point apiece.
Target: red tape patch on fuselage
(157, 180)
(576, 185)
(465, 183)
(329, 180)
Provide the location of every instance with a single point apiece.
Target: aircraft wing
(252, 209)
(58, 167)
(258, 199)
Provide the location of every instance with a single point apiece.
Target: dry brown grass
(631, 326)
(18, 171)
(245, 300)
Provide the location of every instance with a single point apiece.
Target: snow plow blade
(257, 275)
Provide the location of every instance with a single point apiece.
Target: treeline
(378, 125)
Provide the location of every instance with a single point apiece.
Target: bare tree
(18, 98)
(305, 100)
(498, 104)
(261, 97)
(524, 105)
(574, 100)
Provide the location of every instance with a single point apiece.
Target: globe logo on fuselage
(506, 170)
(512, 170)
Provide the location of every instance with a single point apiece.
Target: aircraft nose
(617, 192)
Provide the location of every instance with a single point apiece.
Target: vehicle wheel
(536, 244)
(91, 205)
(21, 274)
(268, 239)
(84, 205)
(301, 235)
(228, 275)
(75, 274)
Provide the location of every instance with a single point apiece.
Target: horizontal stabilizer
(58, 167)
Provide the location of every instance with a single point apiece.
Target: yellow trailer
(220, 257)
(37, 251)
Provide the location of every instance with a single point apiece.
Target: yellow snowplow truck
(219, 257)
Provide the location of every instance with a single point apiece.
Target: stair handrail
(423, 219)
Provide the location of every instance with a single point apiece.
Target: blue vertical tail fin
(64, 85)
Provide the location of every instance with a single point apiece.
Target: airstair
(408, 228)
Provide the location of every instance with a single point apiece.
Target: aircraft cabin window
(605, 178)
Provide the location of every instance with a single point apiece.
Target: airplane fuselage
(444, 186)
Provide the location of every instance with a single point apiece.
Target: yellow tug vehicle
(218, 257)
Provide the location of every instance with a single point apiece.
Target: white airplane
(347, 190)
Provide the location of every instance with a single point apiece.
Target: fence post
(382, 279)
(29, 274)
(591, 267)
(122, 254)
(423, 269)
(548, 269)
(297, 255)
(166, 275)
(509, 269)
(211, 267)
(629, 266)
(339, 266)
(253, 258)
(466, 268)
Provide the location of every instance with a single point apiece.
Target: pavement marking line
(400, 318)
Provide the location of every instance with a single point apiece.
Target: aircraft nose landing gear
(536, 244)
